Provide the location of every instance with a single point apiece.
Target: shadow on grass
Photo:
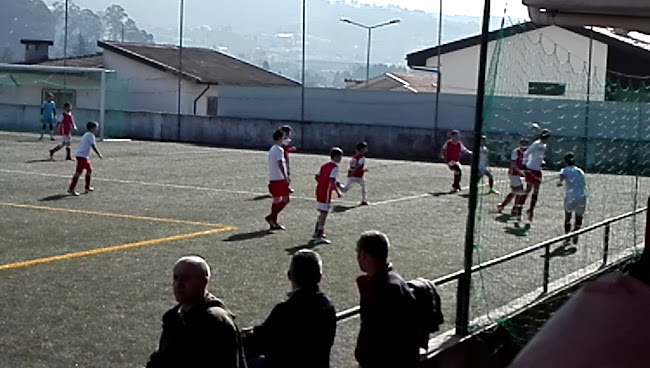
(247, 236)
(440, 194)
(517, 230)
(293, 250)
(55, 197)
(562, 251)
(40, 160)
(339, 208)
(504, 217)
(260, 197)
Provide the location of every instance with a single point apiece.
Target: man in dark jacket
(389, 326)
(199, 331)
(299, 332)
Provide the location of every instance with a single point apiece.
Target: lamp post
(369, 28)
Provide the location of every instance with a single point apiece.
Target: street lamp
(369, 28)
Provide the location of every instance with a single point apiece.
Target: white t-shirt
(483, 157)
(86, 142)
(276, 153)
(575, 181)
(534, 156)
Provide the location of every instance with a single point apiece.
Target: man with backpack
(389, 331)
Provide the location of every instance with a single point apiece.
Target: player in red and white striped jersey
(516, 173)
(357, 170)
(66, 124)
(450, 153)
(326, 179)
(287, 147)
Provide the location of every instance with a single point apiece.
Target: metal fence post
(547, 265)
(605, 244)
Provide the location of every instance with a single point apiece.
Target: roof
(603, 35)
(399, 82)
(87, 61)
(26, 41)
(199, 64)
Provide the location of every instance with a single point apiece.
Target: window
(546, 89)
(213, 106)
(61, 96)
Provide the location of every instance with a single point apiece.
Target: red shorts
(533, 177)
(83, 164)
(279, 188)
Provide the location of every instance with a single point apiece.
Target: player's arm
(284, 173)
(334, 184)
(561, 177)
(443, 152)
(465, 149)
(97, 151)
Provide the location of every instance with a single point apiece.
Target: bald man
(199, 331)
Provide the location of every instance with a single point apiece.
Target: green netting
(22, 93)
(540, 76)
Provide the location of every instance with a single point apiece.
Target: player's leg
(344, 188)
(43, 130)
(75, 178)
(273, 216)
(362, 183)
(581, 205)
(51, 131)
(458, 173)
(89, 172)
(533, 201)
(319, 231)
(66, 143)
(488, 173)
(567, 224)
(283, 203)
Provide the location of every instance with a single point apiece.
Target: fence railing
(348, 313)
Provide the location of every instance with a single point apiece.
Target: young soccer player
(287, 147)
(326, 179)
(278, 181)
(450, 153)
(66, 124)
(48, 115)
(515, 173)
(483, 169)
(575, 197)
(83, 157)
(356, 171)
(533, 161)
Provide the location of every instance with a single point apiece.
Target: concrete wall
(346, 106)
(549, 54)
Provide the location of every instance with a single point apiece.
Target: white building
(539, 61)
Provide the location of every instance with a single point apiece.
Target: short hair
(285, 129)
(306, 268)
(91, 125)
(66, 104)
(454, 132)
(49, 94)
(545, 134)
(375, 243)
(570, 158)
(336, 152)
(197, 261)
(362, 145)
(278, 134)
(524, 141)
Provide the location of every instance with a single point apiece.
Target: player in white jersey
(533, 161)
(575, 197)
(483, 169)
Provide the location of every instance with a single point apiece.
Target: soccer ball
(535, 130)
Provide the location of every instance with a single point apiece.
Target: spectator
(199, 331)
(300, 331)
(389, 326)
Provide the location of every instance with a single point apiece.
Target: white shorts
(575, 205)
(516, 181)
(453, 164)
(324, 207)
(65, 139)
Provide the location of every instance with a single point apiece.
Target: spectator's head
(523, 143)
(191, 276)
(92, 126)
(336, 154)
(546, 135)
(372, 251)
(277, 136)
(286, 130)
(67, 106)
(362, 147)
(306, 269)
(570, 159)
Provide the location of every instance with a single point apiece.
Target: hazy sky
(515, 9)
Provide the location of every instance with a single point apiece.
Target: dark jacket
(204, 336)
(389, 330)
(298, 333)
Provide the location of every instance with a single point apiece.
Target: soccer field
(86, 279)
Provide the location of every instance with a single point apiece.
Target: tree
(80, 46)
(118, 26)
(23, 19)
